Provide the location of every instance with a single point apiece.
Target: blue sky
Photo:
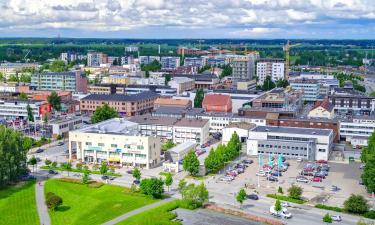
(316, 19)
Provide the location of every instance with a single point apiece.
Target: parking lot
(344, 176)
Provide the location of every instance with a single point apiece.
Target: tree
(53, 201)
(227, 71)
(68, 167)
(167, 145)
(268, 84)
(33, 162)
(278, 206)
(168, 180)
(356, 204)
(199, 96)
(153, 187)
(47, 162)
(280, 190)
(167, 78)
(195, 195)
(13, 78)
(241, 196)
(154, 66)
(102, 113)
(25, 78)
(190, 163)
(103, 168)
(327, 218)
(136, 173)
(58, 66)
(55, 100)
(368, 158)
(282, 83)
(30, 115)
(181, 187)
(86, 176)
(295, 192)
(79, 166)
(54, 164)
(22, 96)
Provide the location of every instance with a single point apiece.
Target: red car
(308, 169)
(322, 161)
(317, 179)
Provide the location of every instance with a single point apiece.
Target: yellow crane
(286, 49)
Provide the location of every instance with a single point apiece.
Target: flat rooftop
(183, 147)
(293, 130)
(190, 122)
(121, 97)
(119, 126)
(153, 120)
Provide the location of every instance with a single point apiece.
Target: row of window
(279, 153)
(127, 146)
(282, 147)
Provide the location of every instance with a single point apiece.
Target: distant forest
(312, 52)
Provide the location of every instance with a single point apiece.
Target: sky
(242, 19)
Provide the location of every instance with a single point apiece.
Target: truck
(283, 213)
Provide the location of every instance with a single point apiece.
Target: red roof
(216, 99)
(324, 104)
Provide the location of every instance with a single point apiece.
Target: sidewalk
(40, 203)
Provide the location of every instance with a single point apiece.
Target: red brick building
(217, 103)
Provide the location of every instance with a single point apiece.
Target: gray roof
(295, 130)
(121, 97)
(183, 147)
(119, 126)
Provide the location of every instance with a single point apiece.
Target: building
(291, 142)
(191, 130)
(116, 79)
(246, 85)
(13, 109)
(178, 152)
(145, 60)
(116, 141)
(273, 68)
(357, 130)
(161, 90)
(244, 67)
(131, 49)
(217, 103)
(149, 125)
(125, 105)
(310, 89)
(351, 102)
(62, 126)
(94, 59)
(106, 89)
(240, 128)
(57, 81)
(9, 69)
(205, 81)
(9, 87)
(322, 109)
(159, 102)
(182, 84)
(68, 57)
(169, 62)
(193, 61)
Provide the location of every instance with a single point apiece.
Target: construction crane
(27, 53)
(286, 49)
(200, 44)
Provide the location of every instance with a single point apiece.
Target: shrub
(286, 198)
(356, 204)
(327, 207)
(280, 190)
(327, 218)
(48, 162)
(53, 201)
(95, 184)
(370, 214)
(295, 192)
(54, 164)
(153, 187)
(79, 166)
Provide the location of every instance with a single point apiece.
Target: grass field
(160, 215)
(18, 206)
(84, 205)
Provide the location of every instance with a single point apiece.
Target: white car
(283, 213)
(227, 178)
(261, 174)
(285, 204)
(336, 218)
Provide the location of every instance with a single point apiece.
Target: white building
(274, 68)
(310, 88)
(13, 109)
(178, 152)
(357, 130)
(193, 130)
(182, 84)
(291, 142)
(240, 128)
(148, 59)
(169, 62)
(9, 87)
(117, 141)
(244, 66)
(62, 126)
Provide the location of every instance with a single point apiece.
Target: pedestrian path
(40, 203)
(136, 211)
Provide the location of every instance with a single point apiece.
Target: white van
(283, 213)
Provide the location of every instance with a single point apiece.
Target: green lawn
(160, 215)
(18, 206)
(84, 205)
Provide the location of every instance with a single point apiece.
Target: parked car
(272, 178)
(232, 173)
(336, 218)
(129, 172)
(60, 143)
(240, 170)
(316, 179)
(261, 174)
(136, 182)
(283, 213)
(302, 179)
(252, 196)
(276, 174)
(320, 174)
(227, 178)
(247, 161)
(39, 150)
(105, 177)
(322, 161)
(285, 204)
(299, 159)
(306, 173)
(52, 172)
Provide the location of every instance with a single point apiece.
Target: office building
(309, 88)
(13, 109)
(169, 62)
(116, 141)
(116, 79)
(273, 68)
(191, 130)
(291, 142)
(351, 102)
(244, 67)
(356, 130)
(62, 126)
(57, 81)
(240, 128)
(182, 84)
(9, 69)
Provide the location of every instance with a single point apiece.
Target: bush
(79, 166)
(295, 192)
(327, 207)
(153, 187)
(356, 204)
(370, 214)
(280, 190)
(95, 184)
(327, 218)
(286, 198)
(53, 201)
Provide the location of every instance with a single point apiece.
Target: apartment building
(13, 109)
(116, 141)
(125, 105)
(193, 61)
(9, 69)
(94, 59)
(182, 84)
(291, 142)
(56, 81)
(356, 130)
(244, 66)
(309, 88)
(68, 57)
(169, 62)
(145, 60)
(274, 68)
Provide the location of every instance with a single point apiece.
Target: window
(140, 147)
(88, 143)
(322, 150)
(113, 146)
(101, 144)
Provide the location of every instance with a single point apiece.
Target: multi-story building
(357, 130)
(349, 101)
(13, 109)
(215, 61)
(273, 68)
(9, 87)
(191, 130)
(244, 67)
(161, 90)
(291, 142)
(131, 49)
(182, 84)
(56, 81)
(159, 102)
(206, 81)
(148, 59)
(62, 126)
(322, 109)
(193, 61)
(169, 62)
(116, 79)
(125, 105)
(116, 141)
(96, 58)
(310, 89)
(68, 57)
(9, 69)
(217, 103)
